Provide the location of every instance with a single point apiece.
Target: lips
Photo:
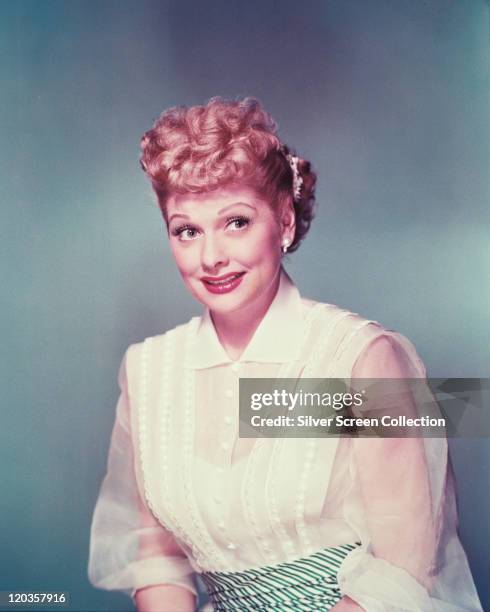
(222, 284)
(219, 280)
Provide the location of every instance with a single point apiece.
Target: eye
(185, 233)
(238, 223)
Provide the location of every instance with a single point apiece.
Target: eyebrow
(221, 211)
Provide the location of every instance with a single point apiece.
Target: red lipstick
(222, 284)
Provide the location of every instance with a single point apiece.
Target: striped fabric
(308, 584)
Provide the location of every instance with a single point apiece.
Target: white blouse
(184, 494)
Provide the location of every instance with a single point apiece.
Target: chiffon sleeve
(403, 507)
(129, 548)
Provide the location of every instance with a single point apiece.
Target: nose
(213, 256)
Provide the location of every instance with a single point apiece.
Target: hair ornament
(297, 178)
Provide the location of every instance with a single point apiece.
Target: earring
(285, 245)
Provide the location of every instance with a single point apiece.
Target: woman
(274, 524)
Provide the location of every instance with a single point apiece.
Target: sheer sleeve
(129, 548)
(403, 507)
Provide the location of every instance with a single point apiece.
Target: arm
(346, 604)
(394, 572)
(161, 598)
(394, 478)
(130, 550)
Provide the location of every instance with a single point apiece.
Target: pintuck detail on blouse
(183, 494)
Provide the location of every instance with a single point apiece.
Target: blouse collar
(276, 340)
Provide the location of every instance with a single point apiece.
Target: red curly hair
(204, 148)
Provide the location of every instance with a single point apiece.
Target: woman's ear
(288, 222)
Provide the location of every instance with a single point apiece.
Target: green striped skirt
(308, 584)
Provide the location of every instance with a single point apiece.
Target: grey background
(389, 99)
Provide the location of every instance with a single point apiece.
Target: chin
(221, 303)
(226, 308)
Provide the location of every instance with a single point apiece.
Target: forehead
(211, 203)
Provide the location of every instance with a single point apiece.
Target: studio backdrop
(389, 99)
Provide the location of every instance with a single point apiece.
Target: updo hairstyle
(204, 148)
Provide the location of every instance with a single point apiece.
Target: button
(231, 546)
(235, 367)
(228, 419)
(229, 393)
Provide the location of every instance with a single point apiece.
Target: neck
(235, 329)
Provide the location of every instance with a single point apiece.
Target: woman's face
(227, 246)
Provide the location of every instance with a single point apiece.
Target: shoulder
(389, 354)
(333, 319)
(382, 357)
(362, 346)
(150, 351)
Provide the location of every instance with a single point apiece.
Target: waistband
(307, 584)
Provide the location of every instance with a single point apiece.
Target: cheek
(265, 242)
(184, 258)
(268, 248)
(255, 253)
